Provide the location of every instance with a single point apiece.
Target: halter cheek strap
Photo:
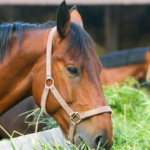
(75, 117)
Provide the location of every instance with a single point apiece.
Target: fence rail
(28, 142)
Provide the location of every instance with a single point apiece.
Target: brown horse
(136, 64)
(75, 70)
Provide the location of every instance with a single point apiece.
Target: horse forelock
(81, 43)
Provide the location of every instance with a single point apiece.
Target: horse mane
(7, 29)
(79, 38)
(124, 57)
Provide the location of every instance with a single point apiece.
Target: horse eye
(73, 71)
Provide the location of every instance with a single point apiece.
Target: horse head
(75, 72)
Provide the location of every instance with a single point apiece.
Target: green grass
(131, 116)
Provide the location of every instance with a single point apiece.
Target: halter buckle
(72, 117)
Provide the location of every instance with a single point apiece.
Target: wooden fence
(30, 141)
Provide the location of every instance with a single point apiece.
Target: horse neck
(16, 69)
(119, 74)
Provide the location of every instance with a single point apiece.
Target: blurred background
(113, 24)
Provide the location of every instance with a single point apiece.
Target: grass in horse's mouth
(82, 144)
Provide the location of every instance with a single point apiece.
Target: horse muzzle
(95, 132)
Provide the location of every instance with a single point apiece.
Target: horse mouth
(83, 146)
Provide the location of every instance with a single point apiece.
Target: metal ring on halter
(49, 79)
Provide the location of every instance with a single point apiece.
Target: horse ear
(63, 19)
(75, 16)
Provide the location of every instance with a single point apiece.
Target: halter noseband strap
(79, 116)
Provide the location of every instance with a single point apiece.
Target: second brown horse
(120, 65)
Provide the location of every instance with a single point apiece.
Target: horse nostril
(98, 141)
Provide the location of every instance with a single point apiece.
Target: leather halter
(79, 116)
